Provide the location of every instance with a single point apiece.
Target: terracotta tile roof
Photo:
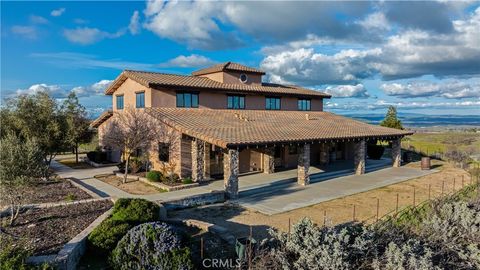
(227, 66)
(162, 80)
(102, 118)
(232, 128)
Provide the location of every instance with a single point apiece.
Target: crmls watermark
(221, 263)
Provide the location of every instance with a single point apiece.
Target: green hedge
(154, 176)
(135, 211)
(105, 236)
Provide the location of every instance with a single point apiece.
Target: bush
(135, 211)
(153, 245)
(135, 165)
(97, 156)
(375, 151)
(187, 180)
(105, 236)
(12, 256)
(154, 176)
(170, 179)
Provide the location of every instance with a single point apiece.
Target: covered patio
(321, 140)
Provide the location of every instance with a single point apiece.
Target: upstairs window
(119, 102)
(164, 152)
(235, 102)
(187, 100)
(272, 103)
(304, 105)
(140, 99)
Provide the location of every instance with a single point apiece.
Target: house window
(119, 102)
(140, 99)
(235, 102)
(304, 104)
(272, 103)
(164, 152)
(187, 100)
(243, 78)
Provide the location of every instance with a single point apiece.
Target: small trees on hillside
(130, 131)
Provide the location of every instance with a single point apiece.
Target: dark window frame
(142, 103)
(164, 152)
(304, 104)
(241, 106)
(277, 103)
(117, 100)
(184, 103)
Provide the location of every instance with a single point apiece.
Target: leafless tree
(130, 130)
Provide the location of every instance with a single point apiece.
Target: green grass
(440, 142)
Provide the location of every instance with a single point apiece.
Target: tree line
(34, 129)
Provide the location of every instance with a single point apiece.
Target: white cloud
(382, 104)
(87, 35)
(58, 91)
(57, 12)
(79, 60)
(35, 19)
(134, 25)
(446, 88)
(80, 21)
(411, 53)
(193, 23)
(347, 91)
(375, 20)
(29, 32)
(193, 60)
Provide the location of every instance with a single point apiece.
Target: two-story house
(231, 122)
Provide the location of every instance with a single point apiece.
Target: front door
(216, 163)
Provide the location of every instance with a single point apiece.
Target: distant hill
(421, 120)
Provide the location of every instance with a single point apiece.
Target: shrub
(135, 165)
(135, 211)
(170, 179)
(153, 245)
(105, 236)
(154, 176)
(375, 151)
(187, 180)
(12, 256)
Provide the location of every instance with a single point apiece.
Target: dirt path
(239, 219)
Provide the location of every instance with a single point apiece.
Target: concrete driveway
(289, 196)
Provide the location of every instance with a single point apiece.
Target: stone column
(198, 160)
(324, 153)
(206, 168)
(359, 157)
(269, 160)
(230, 173)
(303, 165)
(396, 153)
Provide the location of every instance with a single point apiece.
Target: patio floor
(283, 197)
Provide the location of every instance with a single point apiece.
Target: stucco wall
(128, 90)
(233, 77)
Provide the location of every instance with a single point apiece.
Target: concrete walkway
(291, 196)
(267, 193)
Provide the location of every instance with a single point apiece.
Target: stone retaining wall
(71, 253)
(194, 200)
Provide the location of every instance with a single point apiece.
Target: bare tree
(129, 131)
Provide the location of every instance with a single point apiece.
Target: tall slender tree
(77, 123)
(391, 120)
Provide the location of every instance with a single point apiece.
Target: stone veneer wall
(198, 158)
(269, 160)
(396, 153)
(230, 171)
(359, 157)
(303, 165)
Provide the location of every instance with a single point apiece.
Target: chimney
(307, 116)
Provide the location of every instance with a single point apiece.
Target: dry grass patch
(134, 187)
(239, 219)
(74, 165)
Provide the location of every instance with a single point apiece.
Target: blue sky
(422, 57)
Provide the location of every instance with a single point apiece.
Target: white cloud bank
(58, 91)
